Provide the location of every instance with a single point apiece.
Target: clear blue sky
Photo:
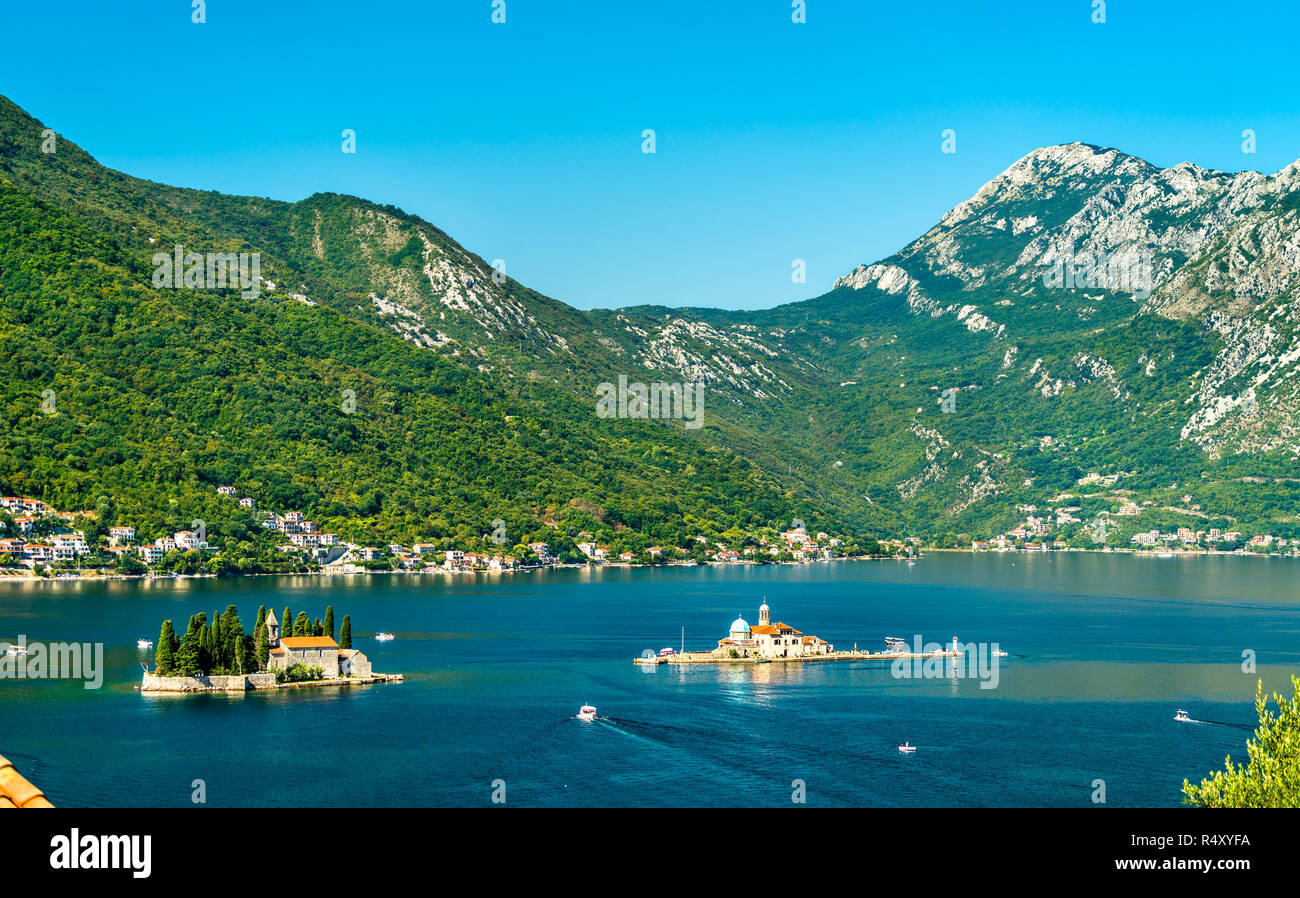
(775, 141)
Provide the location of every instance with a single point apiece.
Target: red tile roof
(308, 642)
(16, 792)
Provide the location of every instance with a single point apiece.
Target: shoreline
(205, 684)
(30, 577)
(353, 571)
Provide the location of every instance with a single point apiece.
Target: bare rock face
(1089, 234)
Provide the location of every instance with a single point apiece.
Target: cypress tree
(233, 629)
(187, 655)
(263, 648)
(286, 623)
(218, 640)
(317, 628)
(164, 658)
(301, 625)
(329, 621)
(204, 637)
(345, 633)
(257, 642)
(241, 656)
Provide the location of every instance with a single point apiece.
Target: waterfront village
(47, 542)
(36, 539)
(1098, 515)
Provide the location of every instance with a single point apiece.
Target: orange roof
(775, 628)
(308, 642)
(16, 792)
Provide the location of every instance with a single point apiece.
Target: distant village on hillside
(1099, 515)
(46, 542)
(36, 538)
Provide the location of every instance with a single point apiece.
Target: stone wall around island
(238, 683)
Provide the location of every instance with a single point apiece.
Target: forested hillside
(474, 396)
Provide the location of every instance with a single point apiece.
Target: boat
(15, 650)
(664, 653)
(762, 660)
(144, 644)
(383, 637)
(1001, 653)
(894, 645)
(1182, 716)
(907, 748)
(587, 712)
(1165, 555)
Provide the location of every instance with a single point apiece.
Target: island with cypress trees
(216, 655)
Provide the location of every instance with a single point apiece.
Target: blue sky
(775, 141)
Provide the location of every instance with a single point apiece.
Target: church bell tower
(272, 630)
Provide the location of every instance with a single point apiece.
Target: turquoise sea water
(1103, 650)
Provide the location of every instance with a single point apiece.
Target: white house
(187, 539)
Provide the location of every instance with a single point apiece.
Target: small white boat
(1001, 653)
(383, 637)
(144, 644)
(664, 653)
(1182, 716)
(1165, 555)
(15, 651)
(587, 712)
(907, 748)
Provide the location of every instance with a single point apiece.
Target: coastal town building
(187, 539)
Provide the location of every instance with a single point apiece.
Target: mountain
(1085, 312)
(321, 390)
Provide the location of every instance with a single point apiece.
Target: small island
(218, 656)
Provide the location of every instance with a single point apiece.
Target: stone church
(313, 651)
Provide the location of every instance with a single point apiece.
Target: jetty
(848, 655)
